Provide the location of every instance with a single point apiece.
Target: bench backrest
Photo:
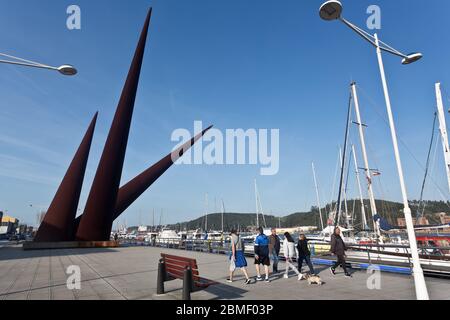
(176, 265)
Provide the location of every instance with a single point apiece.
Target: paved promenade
(130, 273)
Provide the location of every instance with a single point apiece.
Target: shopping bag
(232, 265)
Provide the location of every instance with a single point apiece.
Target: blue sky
(234, 64)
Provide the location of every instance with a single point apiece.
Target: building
(444, 218)
(8, 226)
(421, 222)
(23, 229)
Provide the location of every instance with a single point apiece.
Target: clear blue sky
(234, 64)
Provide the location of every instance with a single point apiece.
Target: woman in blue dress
(237, 258)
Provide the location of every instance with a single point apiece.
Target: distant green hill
(389, 210)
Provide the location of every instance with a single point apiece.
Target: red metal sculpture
(106, 201)
(97, 220)
(58, 222)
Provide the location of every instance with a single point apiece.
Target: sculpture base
(31, 245)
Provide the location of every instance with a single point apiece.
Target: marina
(248, 205)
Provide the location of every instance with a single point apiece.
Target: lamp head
(412, 57)
(67, 70)
(330, 10)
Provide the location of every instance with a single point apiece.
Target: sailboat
(439, 115)
(432, 260)
(259, 209)
(250, 239)
(324, 237)
(207, 233)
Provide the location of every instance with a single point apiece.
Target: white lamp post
(332, 10)
(65, 69)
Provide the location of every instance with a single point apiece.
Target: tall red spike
(97, 220)
(58, 222)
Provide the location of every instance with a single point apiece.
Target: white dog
(313, 279)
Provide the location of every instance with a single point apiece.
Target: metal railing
(373, 251)
(197, 245)
(428, 254)
(224, 246)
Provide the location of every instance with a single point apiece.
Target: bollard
(161, 277)
(187, 284)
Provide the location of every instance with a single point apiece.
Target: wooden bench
(174, 267)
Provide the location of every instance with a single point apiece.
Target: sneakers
(286, 276)
(248, 281)
(229, 281)
(259, 278)
(267, 280)
(333, 272)
(348, 275)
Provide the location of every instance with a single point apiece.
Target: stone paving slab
(129, 273)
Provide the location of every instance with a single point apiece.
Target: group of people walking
(267, 249)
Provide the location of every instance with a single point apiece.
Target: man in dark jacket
(338, 248)
(274, 249)
(304, 254)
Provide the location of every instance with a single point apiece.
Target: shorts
(264, 260)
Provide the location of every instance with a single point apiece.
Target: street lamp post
(332, 10)
(64, 69)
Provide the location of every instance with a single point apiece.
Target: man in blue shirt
(262, 254)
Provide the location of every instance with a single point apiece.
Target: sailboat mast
(373, 207)
(206, 213)
(257, 206)
(333, 191)
(345, 188)
(223, 212)
(421, 202)
(153, 220)
(341, 181)
(443, 130)
(317, 195)
(363, 210)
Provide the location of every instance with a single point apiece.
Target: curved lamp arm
(66, 70)
(369, 38)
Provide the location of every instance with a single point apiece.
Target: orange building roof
(9, 219)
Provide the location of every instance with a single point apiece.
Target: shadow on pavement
(17, 253)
